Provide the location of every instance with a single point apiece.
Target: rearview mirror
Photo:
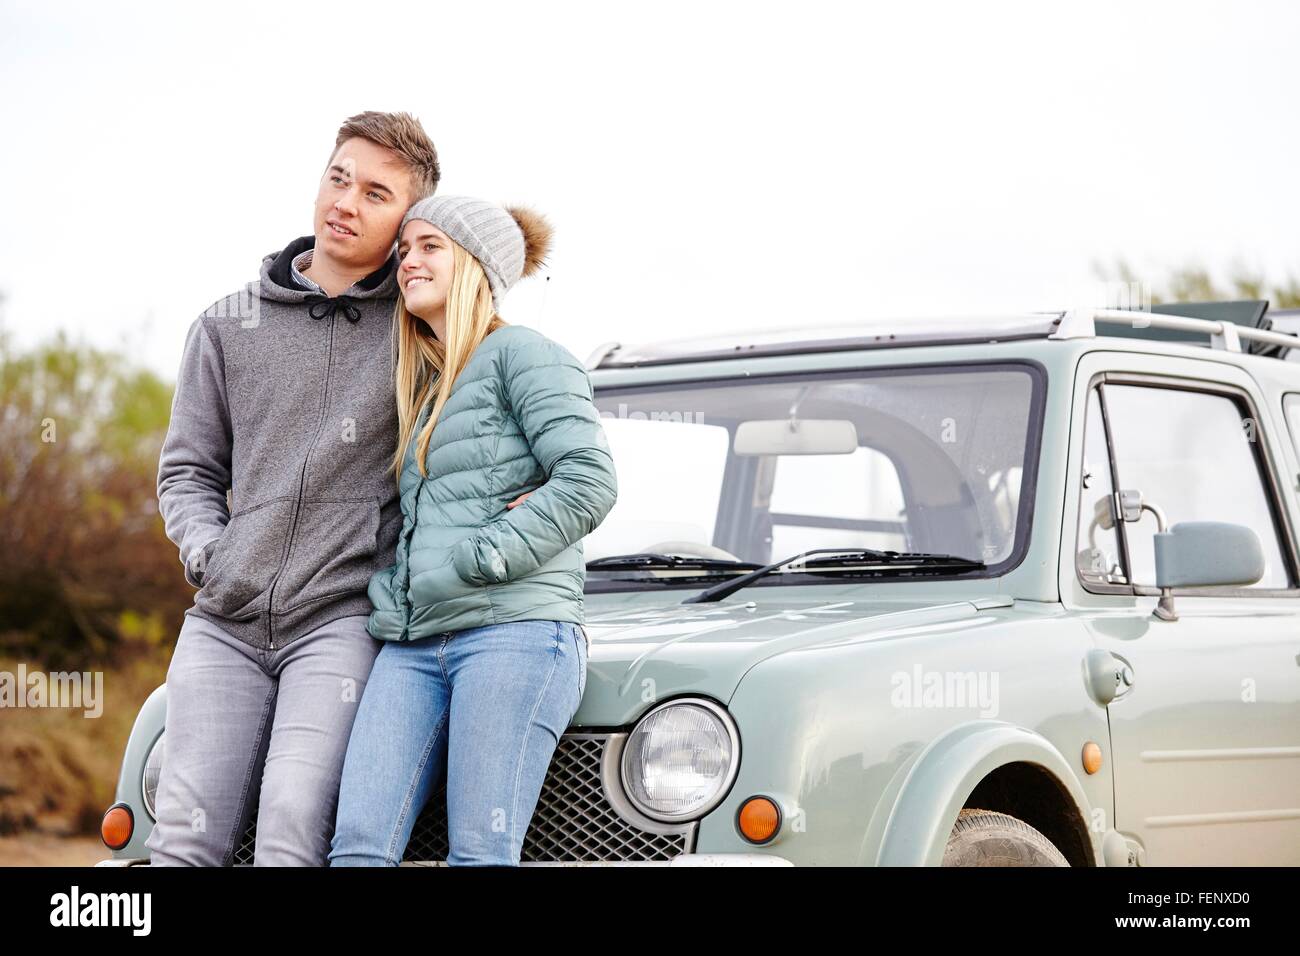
(796, 436)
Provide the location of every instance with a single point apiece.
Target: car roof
(935, 330)
(1204, 325)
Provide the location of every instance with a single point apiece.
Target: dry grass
(40, 849)
(59, 768)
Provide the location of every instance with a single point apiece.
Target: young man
(285, 400)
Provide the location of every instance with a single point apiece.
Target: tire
(987, 838)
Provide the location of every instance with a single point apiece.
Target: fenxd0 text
(1160, 899)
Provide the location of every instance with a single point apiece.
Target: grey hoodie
(284, 399)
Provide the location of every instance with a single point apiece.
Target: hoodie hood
(276, 283)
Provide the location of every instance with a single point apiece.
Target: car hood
(645, 648)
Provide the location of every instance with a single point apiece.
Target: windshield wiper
(646, 561)
(845, 558)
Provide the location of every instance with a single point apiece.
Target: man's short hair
(403, 134)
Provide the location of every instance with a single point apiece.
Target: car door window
(1194, 455)
(1098, 556)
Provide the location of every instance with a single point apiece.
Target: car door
(1205, 721)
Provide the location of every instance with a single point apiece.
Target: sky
(709, 167)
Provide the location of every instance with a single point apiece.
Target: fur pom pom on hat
(509, 242)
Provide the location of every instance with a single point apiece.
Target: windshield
(925, 460)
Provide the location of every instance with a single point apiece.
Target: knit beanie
(508, 242)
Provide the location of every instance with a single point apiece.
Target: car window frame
(1264, 462)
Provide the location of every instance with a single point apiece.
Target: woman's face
(426, 264)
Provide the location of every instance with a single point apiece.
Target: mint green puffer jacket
(520, 417)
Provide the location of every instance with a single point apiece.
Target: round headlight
(152, 770)
(680, 760)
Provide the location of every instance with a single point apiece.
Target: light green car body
(1192, 770)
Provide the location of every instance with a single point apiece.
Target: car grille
(574, 820)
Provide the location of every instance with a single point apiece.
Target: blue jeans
(257, 729)
(486, 707)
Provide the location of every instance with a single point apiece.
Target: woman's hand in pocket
(519, 500)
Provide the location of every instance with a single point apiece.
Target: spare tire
(988, 838)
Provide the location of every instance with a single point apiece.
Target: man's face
(363, 195)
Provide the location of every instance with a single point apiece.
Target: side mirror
(1207, 553)
(1191, 553)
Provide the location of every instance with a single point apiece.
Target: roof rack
(934, 330)
(1225, 335)
(1226, 324)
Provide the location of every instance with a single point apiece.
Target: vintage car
(1010, 591)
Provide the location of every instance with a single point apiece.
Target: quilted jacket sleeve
(551, 398)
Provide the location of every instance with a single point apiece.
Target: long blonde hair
(428, 367)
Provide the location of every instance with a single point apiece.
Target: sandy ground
(36, 849)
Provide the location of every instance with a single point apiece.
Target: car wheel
(987, 838)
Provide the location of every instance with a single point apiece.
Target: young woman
(503, 469)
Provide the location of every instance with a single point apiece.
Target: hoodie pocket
(244, 560)
(333, 552)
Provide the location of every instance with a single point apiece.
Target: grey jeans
(248, 727)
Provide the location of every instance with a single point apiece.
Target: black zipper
(302, 478)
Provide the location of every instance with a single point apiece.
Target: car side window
(1098, 556)
(1167, 442)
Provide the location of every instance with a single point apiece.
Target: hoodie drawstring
(322, 306)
